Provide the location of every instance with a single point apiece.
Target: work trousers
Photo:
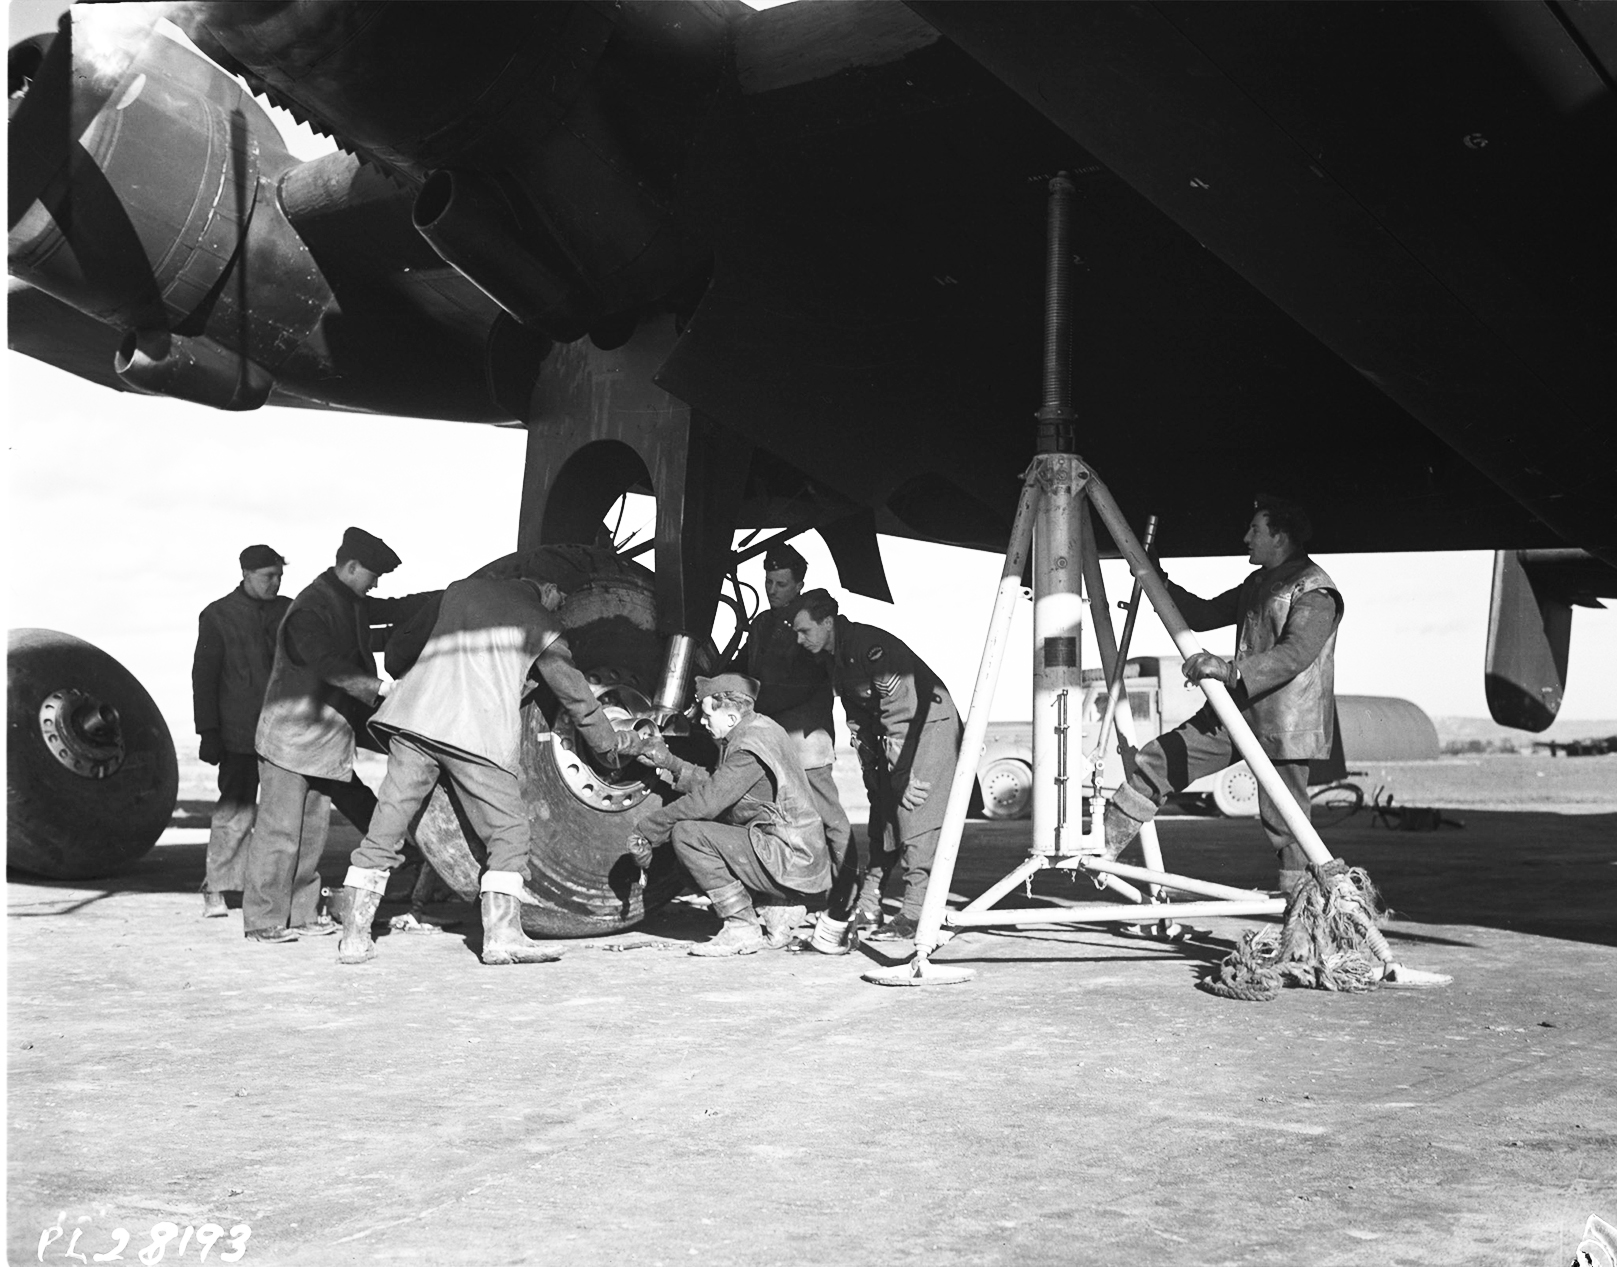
(1199, 747)
(490, 797)
(232, 823)
(283, 854)
(838, 832)
(719, 854)
(906, 840)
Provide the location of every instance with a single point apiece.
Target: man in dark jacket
(795, 690)
(748, 830)
(457, 715)
(231, 667)
(323, 685)
(1282, 677)
(907, 731)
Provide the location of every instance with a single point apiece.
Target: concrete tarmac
(1079, 1102)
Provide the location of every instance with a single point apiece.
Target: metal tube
(971, 743)
(1167, 879)
(1217, 695)
(1115, 914)
(674, 686)
(1112, 659)
(1058, 617)
(1114, 694)
(998, 890)
(1055, 413)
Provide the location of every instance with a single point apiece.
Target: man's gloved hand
(1204, 664)
(212, 748)
(650, 747)
(915, 794)
(640, 850)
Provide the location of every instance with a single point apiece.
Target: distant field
(1577, 785)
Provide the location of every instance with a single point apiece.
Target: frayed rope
(1329, 941)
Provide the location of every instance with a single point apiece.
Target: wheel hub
(82, 732)
(587, 779)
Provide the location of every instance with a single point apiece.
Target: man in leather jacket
(748, 830)
(1282, 677)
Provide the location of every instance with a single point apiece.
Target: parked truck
(1368, 728)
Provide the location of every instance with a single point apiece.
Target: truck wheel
(1236, 792)
(91, 777)
(582, 880)
(1007, 788)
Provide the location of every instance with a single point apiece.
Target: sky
(126, 514)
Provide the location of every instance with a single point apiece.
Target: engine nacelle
(197, 370)
(147, 164)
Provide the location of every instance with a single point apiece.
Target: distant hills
(1459, 729)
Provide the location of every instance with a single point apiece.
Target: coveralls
(751, 820)
(1285, 650)
(458, 713)
(323, 684)
(905, 726)
(797, 694)
(229, 673)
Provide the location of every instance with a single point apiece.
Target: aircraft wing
(1357, 254)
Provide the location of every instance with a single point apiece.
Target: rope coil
(1329, 941)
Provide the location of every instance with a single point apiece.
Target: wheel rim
(595, 787)
(1007, 789)
(82, 732)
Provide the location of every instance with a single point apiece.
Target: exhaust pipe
(468, 219)
(194, 369)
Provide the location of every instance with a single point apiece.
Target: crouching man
(458, 714)
(747, 832)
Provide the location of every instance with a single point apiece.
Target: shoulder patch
(874, 654)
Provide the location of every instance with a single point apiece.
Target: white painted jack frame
(1053, 522)
(1059, 842)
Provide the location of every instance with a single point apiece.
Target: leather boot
(1120, 831)
(780, 921)
(740, 934)
(213, 904)
(867, 910)
(358, 910)
(504, 941)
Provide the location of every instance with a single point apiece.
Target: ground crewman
(457, 714)
(795, 690)
(231, 667)
(1282, 678)
(907, 731)
(747, 832)
(323, 684)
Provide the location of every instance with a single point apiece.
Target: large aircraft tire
(91, 777)
(580, 872)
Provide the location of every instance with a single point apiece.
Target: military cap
(371, 553)
(260, 556)
(785, 557)
(735, 683)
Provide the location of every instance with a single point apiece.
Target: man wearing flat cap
(235, 649)
(748, 831)
(457, 715)
(322, 687)
(795, 690)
